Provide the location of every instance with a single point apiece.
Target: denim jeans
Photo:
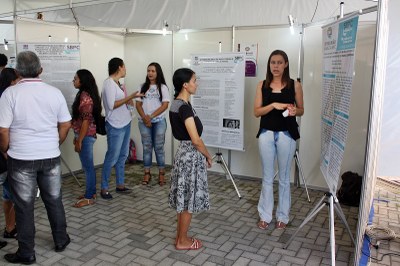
(86, 156)
(24, 177)
(116, 155)
(153, 137)
(275, 144)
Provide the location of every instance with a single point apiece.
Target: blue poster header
(347, 34)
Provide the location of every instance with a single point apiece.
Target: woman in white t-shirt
(152, 124)
(118, 127)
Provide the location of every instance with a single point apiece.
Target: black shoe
(15, 258)
(106, 195)
(12, 234)
(60, 248)
(3, 244)
(123, 190)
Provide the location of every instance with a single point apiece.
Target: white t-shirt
(151, 101)
(118, 117)
(31, 110)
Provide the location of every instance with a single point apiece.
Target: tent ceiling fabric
(180, 14)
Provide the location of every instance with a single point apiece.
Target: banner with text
(219, 100)
(339, 42)
(60, 61)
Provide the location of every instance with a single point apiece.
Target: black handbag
(101, 125)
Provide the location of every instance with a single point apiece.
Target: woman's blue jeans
(86, 156)
(280, 145)
(153, 137)
(116, 155)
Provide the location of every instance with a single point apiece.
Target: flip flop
(196, 244)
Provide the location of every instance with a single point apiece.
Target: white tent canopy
(179, 14)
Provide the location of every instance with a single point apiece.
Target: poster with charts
(339, 42)
(60, 61)
(219, 99)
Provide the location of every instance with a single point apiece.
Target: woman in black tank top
(279, 99)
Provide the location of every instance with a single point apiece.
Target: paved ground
(386, 215)
(139, 229)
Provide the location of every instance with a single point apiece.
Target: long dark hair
(180, 77)
(160, 80)
(286, 73)
(88, 84)
(7, 76)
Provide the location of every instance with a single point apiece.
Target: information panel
(339, 41)
(219, 100)
(60, 61)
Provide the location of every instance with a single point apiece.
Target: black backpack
(350, 190)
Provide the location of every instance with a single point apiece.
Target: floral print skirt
(189, 186)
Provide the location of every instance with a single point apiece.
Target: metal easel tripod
(297, 180)
(332, 202)
(220, 160)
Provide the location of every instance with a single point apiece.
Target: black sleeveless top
(274, 120)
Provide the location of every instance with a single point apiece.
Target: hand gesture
(292, 110)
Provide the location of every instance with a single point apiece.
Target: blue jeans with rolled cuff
(153, 138)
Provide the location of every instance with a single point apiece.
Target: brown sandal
(83, 202)
(146, 178)
(161, 178)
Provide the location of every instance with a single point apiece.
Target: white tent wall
(140, 51)
(96, 50)
(244, 163)
(390, 130)
(7, 32)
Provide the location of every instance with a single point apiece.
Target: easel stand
(70, 171)
(220, 160)
(331, 201)
(297, 181)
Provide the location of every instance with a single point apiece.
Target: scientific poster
(339, 41)
(219, 100)
(60, 61)
(251, 53)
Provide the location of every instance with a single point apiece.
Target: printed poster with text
(339, 42)
(60, 61)
(219, 100)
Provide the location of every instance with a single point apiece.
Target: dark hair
(7, 76)
(160, 80)
(114, 64)
(88, 84)
(28, 64)
(286, 73)
(180, 77)
(3, 60)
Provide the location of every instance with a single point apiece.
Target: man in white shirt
(34, 121)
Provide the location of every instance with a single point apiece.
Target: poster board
(339, 42)
(60, 61)
(219, 100)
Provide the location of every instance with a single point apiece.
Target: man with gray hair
(34, 121)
